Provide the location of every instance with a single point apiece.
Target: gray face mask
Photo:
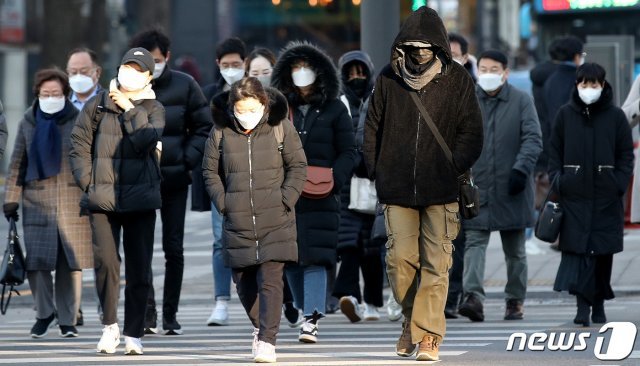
(265, 80)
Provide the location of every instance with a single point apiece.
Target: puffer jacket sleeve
(210, 164)
(198, 122)
(17, 169)
(624, 153)
(469, 134)
(81, 145)
(345, 145)
(295, 163)
(372, 124)
(530, 137)
(144, 127)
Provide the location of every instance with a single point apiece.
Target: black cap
(140, 56)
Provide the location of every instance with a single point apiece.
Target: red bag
(319, 182)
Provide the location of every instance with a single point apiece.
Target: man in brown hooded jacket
(415, 181)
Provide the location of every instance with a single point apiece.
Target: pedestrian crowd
(316, 172)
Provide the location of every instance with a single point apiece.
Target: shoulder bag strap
(432, 127)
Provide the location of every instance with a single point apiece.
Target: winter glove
(517, 182)
(11, 210)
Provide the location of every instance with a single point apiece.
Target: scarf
(415, 80)
(145, 93)
(45, 152)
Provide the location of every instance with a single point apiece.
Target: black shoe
(597, 312)
(150, 321)
(291, 313)
(171, 325)
(41, 327)
(68, 331)
(79, 318)
(514, 310)
(472, 308)
(450, 312)
(451, 307)
(582, 316)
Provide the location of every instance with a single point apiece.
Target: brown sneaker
(514, 310)
(405, 347)
(428, 350)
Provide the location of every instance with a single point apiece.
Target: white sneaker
(219, 315)
(110, 339)
(265, 352)
(371, 312)
(350, 308)
(254, 344)
(394, 310)
(308, 333)
(132, 346)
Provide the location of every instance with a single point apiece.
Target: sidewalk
(543, 265)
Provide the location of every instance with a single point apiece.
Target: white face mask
(303, 77)
(81, 83)
(51, 105)
(231, 75)
(490, 82)
(132, 80)
(265, 80)
(158, 69)
(249, 120)
(589, 95)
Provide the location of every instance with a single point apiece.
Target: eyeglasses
(48, 95)
(84, 71)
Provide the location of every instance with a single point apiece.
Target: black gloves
(11, 210)
(517, 182)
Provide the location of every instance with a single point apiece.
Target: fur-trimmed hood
(222, 113)
(327, 84)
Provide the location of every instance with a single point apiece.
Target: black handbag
(550, 219)
(468, 193)
(13, 270)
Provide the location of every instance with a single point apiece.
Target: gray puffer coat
(257, 186)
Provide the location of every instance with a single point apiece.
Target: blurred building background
(39, 33)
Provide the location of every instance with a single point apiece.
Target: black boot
(451, 307)
(582, 316)
(598, 316)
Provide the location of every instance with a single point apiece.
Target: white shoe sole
(426, 357)
(108, 350)
(214, 322)
(308, 339)
(173, 332)
(133, 352)
(150, 330)
(36, 336)
(263, 359)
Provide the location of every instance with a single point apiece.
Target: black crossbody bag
(468, 193)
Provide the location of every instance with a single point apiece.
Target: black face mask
(358, 86)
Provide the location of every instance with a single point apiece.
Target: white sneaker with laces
(220, 314)
(371, 312)
(254, 344)
(308, 333)
(350, 308)
(132, 346)
(110, 339)
(265, 353)
(394, 310)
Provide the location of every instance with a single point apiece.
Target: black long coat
(591, 150)
(328, 139)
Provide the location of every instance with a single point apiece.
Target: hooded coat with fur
(400, 151)
(327, 135)
(258, 186)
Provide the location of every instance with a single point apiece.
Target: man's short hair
(568, 48)
(229, 46)
(150, 40)
(495, 55)
(464, 45)
(92, 54)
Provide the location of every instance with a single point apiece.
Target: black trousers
(172, 213)
(260, 291)
(455, 272)
(137, 233)
(348, 281)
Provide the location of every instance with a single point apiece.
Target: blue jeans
(309, 287)
(221, 273)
